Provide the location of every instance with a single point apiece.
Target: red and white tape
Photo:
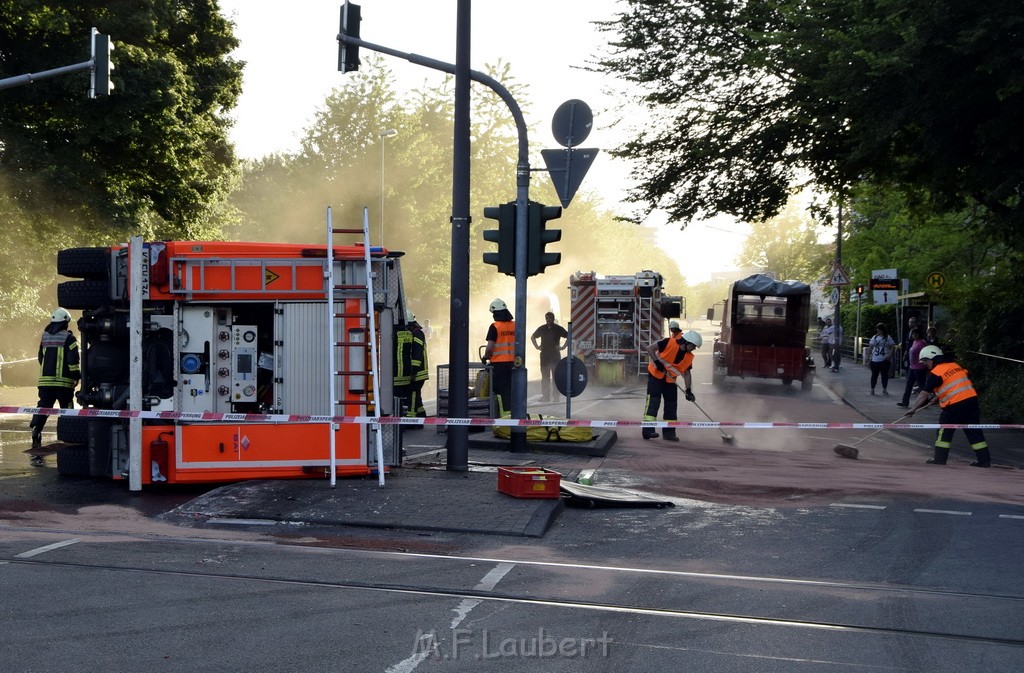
(199, 417)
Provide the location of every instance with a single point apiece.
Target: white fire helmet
(60, 315)
(929, 352)
(498, 305)
(694, 337)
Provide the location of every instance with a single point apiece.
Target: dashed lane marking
(856, 506)
(942, 511)
(1011, 516)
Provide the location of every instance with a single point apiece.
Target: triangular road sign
(838, 277)
(567, 168)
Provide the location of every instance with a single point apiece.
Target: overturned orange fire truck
(234, 357)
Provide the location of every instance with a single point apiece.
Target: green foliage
(153, 158)
(339, 163)
(154, 155)
(787, 245)
(749, 97)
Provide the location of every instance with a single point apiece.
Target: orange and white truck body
(615, 319)
(239, 333)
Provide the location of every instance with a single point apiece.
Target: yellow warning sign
(269, 276)
(936, 280)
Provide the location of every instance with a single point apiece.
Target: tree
(283, 197)
(787, 245)
(748, 98)
(152, 157)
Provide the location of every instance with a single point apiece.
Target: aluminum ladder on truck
(371, 339)
(647, 331)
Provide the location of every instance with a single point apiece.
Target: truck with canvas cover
(764, 332)
(236, 342)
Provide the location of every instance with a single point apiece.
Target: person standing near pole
(550, 347)
(832, 335)
(958, 399)
(59, 370)
(500, 353)
(670, 358)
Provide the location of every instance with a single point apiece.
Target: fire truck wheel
(73, 460)
(83, 294)
(73, 429)
(807, 383)
(91, 263)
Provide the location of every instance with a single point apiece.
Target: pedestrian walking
(958, 399)
(832, 336)
(551, 345)
(500, 353)
(670, 358)
(59, 370)
(412, 369)
(881, 348)
(916, 370)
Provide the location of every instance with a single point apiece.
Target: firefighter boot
(940, 456)
(649, 433)
(669, 434)
(983, 458)
(37, 437)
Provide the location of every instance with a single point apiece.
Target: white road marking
(426, 642)
(942, 511)
(245, 522)
(49, 547)
(856, 506)
(1011, 516)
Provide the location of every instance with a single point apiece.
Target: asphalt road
(778, 556)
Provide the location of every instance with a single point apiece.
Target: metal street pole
(839, 265)
(390, 133)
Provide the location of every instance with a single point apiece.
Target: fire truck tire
(72, 429)
(91, 263)
(807, 383)
(83, 294)
(73, 460)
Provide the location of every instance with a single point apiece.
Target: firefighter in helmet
(411, 367)
(59, 369)
(500, 353)
(958, 399)
(670, 358)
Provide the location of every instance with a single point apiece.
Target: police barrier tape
(194, 417)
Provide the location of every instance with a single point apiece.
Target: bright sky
(291, 52)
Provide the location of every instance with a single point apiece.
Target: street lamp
(390, 133)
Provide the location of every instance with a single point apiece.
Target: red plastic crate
(528, 482)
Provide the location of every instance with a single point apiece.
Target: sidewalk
(852, 383)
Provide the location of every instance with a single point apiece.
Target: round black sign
(570, 370)
(572, 123)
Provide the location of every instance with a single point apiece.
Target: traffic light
(538, 236)
(504, 236)
(103, 65)
(348, 54)
(860, 290)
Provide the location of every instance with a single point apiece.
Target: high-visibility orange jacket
(955, 386)
(673, 352)
(505, 344)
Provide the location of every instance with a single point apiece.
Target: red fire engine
(615, 319)
(241, 333)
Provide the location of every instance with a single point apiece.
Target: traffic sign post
(838, 276)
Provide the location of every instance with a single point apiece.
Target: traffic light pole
(458, 403)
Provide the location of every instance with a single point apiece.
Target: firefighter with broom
(947, 381)
(670, 358)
